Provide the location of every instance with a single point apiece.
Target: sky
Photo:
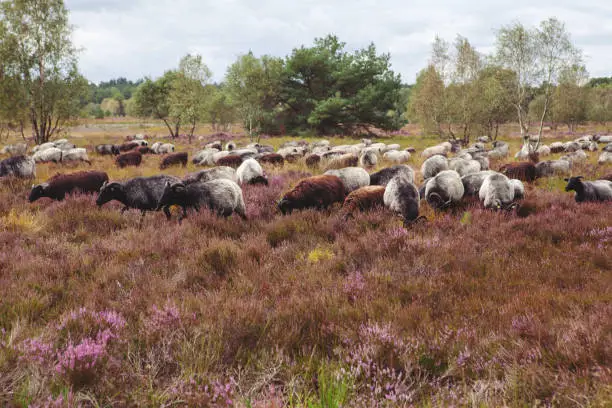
(137, 38)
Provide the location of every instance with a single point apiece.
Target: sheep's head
(573, 183)
(109, 192)
(173, 193)
(37, 192)
(285, 206)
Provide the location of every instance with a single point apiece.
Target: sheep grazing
(18, 149)
(222, 172)
(519, 189)
(144, 150)
(132, 158)
(604, 139)
(556, 147)
(497, 192)
(434, 165)
(524, 171)
(107, 149)
(43, 146)
(543, 150)
(382, 177)
(464, 167)
(313, 192)
(608, 148)
(312, 160)
(174, 159)
(551, 168)
(604, 157)
(363, 199)
(162, 148)
(231, 160)
(140, 193)
(598, 190)
(352, 177)
(18, 166)
(59, 185)
(402, 197)
(222, 196)
(126, 147)
(229, 146)
(575, 157)
(473, 182)
(64, 145)
(500, 150)
(342, 161)
(214, 145)
(368, 159)
(52, 154)
(395, 156)
(250, 172)
(570, 147)
(441, 149)
(204, 157)
(444, 190)
(272, 158)
(76, 155)
(482, 160)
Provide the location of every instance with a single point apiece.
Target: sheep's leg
(184, 215)
(167, 212)
(142, 215)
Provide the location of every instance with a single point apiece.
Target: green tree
(427, 104)
(220, 111)
(39, 64)
(495, 101)
(571, 97)
(152, 99)
(599, 104)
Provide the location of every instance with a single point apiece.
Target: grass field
(473, 308)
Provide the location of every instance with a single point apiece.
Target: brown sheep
(313, 160)
(144, 150)
(524, 171)
(59, 185)
(126, 147)
(272, 158)
(313, 192)
(232, 160)
(363, 199)
(172, 159)
(132, 158)
(340, 162)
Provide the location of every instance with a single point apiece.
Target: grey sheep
(204, 157)
(575, 156)
(78, 154)
(52, 154)
(221, 172)
(604, 157)
(18, 149)
(433, 165)
(473, 182)
(18, 166)
(496, 192)
(352, 177)
(382, 177)
(396, 156)
(482, 160)
(519, 189)
(107, 149)
(368, 158)
(444, 189)
(598, 190)
(464, 167)
(402, 197)
(251, 172)
(551, 168)
(608, 148)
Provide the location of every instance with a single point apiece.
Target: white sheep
(18, 149)
(604, 157)
(402, 197)
(496, 192)
(433, 165)
(464, 167)
(444, 189)
(352, 177)
(398, 157)
(368, 158)
(51, 154)
(77, 154)
(250, 172)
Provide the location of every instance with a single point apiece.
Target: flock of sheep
(447, 180)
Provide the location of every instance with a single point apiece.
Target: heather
(472, 308)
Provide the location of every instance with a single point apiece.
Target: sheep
(382, 177)
(441, 149)
(245, 153)
(52, 154)
(402, 197)
(363, 199)
(575, 156)
(231, 160)
(500, 150)
(313, 192)
(172, 159)
(571, 147)
(140, 193)
(482, 160)
(543, 150)
(464, 167)
(78, 154)
(551, 168)
(164, 148)
(140, 142)
(222, 196)
(229, 146)
(604, 139)
(64, 145)
(396, 156)
(345, 160)
(496, 192)
(524, 171)
(250, 172)
(484, 139)
(18, 166)
(272, 158)
(312, 160)
(126, 147)
(204, 157)
(585, 138)
(368, 158)
(264, 149)
(352, 177)
(211, 174)
(444, 189)
(214, 145)
(392, 146)
(608, 148)
(132, 158)
(291, 150)
(473, 182)
(590, 146)
(18, 149)
(434, 165)
(59, 185)
(556, 147)
(43, 146)
(598, 190)
(107, 149)
(519, 189)
(604, 157)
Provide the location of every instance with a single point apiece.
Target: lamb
(231, 160)
(496, 192)
(18, 149)
(52, 154)
(604, 157)
(172, 159)
(551, 168)
(107, 149)
(221, 172)
(132, 158)
(402, 197)
(525, 171)
(272, 158)
(519, 189)
(18, 166)
(444, 190)
(141, 193)
(345, 160)
(59, 185)
(473, 182)
(434, 165)
(250, 172)
(464, 167)
(78, 154)
(352, 177)
(126, 147)
(363, 199)
(312, 160)
(222, 196)
(368, 159)
(382, 177)
(313, 192)
(396, 156)
(598, 190)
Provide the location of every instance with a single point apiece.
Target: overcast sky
(136, 38)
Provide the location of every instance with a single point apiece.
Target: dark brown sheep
(172, 159)
(126, 147)
(232, 160)
(363, 199)
(313, 192)
(59, 185)
(313, 160)
(132, 158)
(272, 158)
(524, 171)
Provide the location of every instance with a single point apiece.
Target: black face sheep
(126, 147)
(402, 197)
(132, 158)
(221, 196)
(352, 177)
(174, 159)
(434, 165)
(18, 166)
(496, 192)
(59, 185)
(382, 177)
(221, 172)
(444, 189)
(141, 193)
(231, 160)
(272, 158)
(363, 199)
(598, 190)
(250, 172)
(524, 171)
(473, 182)
(107, 149)
(313, 192)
